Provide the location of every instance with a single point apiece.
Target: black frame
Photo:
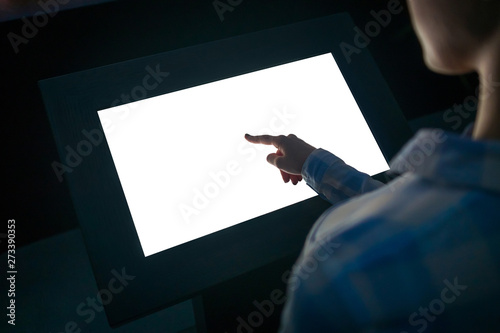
(112, 242)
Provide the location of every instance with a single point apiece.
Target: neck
(487, 125)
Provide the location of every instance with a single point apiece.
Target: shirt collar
(450, 158)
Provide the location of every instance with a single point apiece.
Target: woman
(422, 254)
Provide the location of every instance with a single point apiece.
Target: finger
(275, 160)
(295, 179)
(263, 139)
(285, 176)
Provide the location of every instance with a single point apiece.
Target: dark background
(97, 35)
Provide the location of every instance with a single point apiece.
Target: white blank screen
(186, 169)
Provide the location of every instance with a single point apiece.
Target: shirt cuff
(332, 179)
(315, 166)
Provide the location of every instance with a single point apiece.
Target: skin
(463, 36)
(457, 37)
(289, 158)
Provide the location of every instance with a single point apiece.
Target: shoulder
(382, 256)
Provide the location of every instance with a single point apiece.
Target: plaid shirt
(421, 253)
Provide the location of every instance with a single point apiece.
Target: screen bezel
(173, 275)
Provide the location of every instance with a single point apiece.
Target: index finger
(263, 139)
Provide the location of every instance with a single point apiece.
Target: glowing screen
(186, 169)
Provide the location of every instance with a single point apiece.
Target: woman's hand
(289, 158)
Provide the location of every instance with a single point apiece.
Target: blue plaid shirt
(420, 254)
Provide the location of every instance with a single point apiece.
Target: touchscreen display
(186, 169)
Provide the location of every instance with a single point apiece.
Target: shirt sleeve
(333, 179)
